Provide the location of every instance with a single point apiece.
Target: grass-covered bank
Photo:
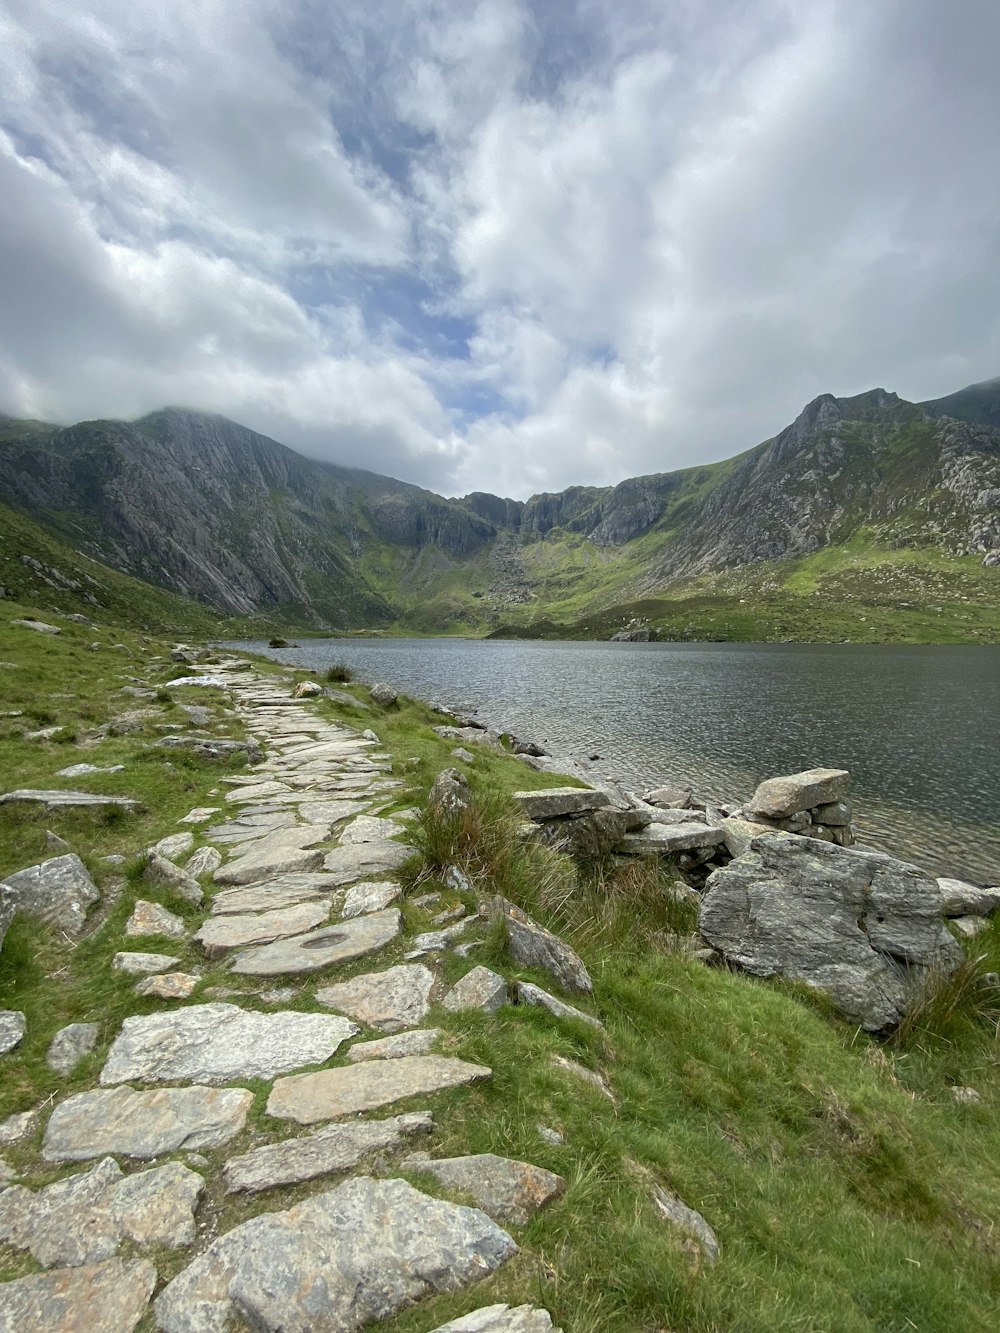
(847, 1187)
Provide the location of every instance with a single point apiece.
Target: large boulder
(780, 798)
(859, 925)
(450, 794)
(59, 891)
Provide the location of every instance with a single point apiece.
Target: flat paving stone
(478, 989)
(320, 948)
(70, 1045)
(339, 1261)
(282, 852)
(168, 986)
(61, 800)
(396, 998)
(109, 1297)
(365, 859)
(151, 919)
(332, 1093)
(217, 1043)
(418, 1041)
(369, 828)
(84, 1218)
(143, 964)
(172, 846)
(501, 1319)
(369, 896)
(205, 861)
(144, 1124)
(508, 1190)
(332, 1148)
(219, 934)
(270, 894)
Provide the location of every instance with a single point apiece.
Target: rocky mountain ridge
(210, 509)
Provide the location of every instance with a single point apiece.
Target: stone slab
(779, 798)
(369, 828)
(284, 851)
(510, 1191)
(501, 1319)
(219, 1043)
(556, 801)
(168, 986)
(70, 1045)
(12, 1028)
(478, 989)
(109, 1297)
(363, 860)
(663, 839)
(417, 1041)
(151, 919)
(270, 894)
(319, 948)
(144, 1124)
(527, 993)
(332, 1093)
(143, 964)
(396, 998)
(56, 800)
(369, 896)
(219, 934)
(59, 890)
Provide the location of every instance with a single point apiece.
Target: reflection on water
(919, 727)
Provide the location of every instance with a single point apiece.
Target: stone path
(300, 856)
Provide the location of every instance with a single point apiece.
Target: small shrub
(339, 672)
(164, 697)
(951, 1003)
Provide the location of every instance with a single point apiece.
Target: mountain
(202, 506)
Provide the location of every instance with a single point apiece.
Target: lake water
(918, 727)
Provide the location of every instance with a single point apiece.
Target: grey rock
(677, 1212)
(307, 689)
(384, 695)
(961, 899)
(205, 861)
(418, 1041)
(969, 926)
(436, 941)
(109, 1297)
(39, 626)
(65, 800)
(285, 851)
(218, 934)
(837, 814)
(676, 797)
(160, 873)
(8, 908)
(217, 1043)
(144, 1124)
(450, 794)
(332, 1093)
(660, 839)
(560, 801)
(501, 1319)
(84, 1218)
(200, 814)
(965, 1096)
(777, 798)
(362, 860)
(396, 998)
(168, 986)
(550, 1136)
(740, 833)
(462, 755)
(453, 877)
(368, 828)
(151, 919)
(340, 1260)
(59, 891)
(530, 994)
(70, 1045)
(532, 945)
(319, 948)
(586, 1075)
(508, 1190)
(143, 964)
(12, 1029)
(860, 926)
(17, 1126)
(585, 837)
(174, 845)
(478, 989)
(332, 1148)
(283, 891)
(369, 896)
(54, 843)
(81, 770)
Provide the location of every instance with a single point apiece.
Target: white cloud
(661, 229)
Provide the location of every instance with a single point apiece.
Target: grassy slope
(847, 1189)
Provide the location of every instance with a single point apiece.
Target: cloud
(505, 246)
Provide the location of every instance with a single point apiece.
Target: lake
(918, 727)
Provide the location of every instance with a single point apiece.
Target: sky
(511, 245)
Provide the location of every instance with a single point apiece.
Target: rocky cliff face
(206, 507)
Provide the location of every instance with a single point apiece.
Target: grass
(847, 1188)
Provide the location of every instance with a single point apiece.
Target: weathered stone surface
(285, 851)
(362, 860)
(109, 1297)
(779, 798)
(39, 626)
(320, 948)
(859, 925)
(8, 907)
(740, 833)
(332, 1148)
(557, 801)
(418, 1041)
(677, 1212)
(200, 814)
(168, 986)
(70, 1045)
(368, 828)
(501, 1319)
(172, 846)
(382, 694)
(584, 1074)
(307, 689)
(532, 945)
(205, 861)
(836, 814)
(370, 896)
(59, 890)
(12, 1028)
(663, 839)
(216, 1043)
(85, 1218)
(143, 964)
(17, 1126)
(961, 899)
(436, 941)
(331, 1093)
(529, 994)
(339, 1261)
(144, 1124)
(283, 891)
(396, 998)
(969, 926)
(478, 989)
(152, 919)
(219, 934)
(509, 1191)
(54, 800)
(160, 873)
(82, 770)
(450, 794)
